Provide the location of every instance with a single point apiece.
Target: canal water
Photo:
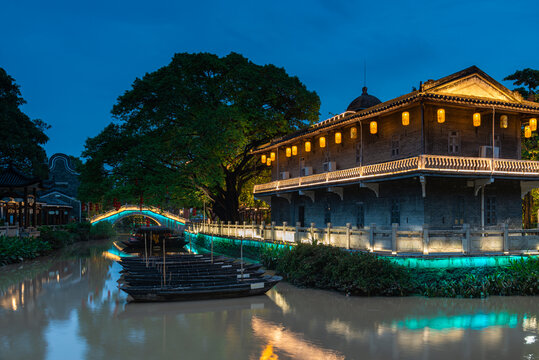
(69, 307)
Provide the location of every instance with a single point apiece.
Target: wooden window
(490, 210)
(301, 215)
(360, 217)
(458, 212)
(327, 213)
(453, 143)
(395, 145)
(395, 212)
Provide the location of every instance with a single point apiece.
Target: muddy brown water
(69, 307)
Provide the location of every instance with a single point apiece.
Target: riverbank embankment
(18, 249)
(367, 274)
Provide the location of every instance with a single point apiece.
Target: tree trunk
(227, 206)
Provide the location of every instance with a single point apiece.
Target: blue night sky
(72, 59)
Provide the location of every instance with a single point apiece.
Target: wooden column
(26, 209)
(21, 218)
(34, 207)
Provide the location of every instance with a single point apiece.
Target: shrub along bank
(366, 274)
(16, 249)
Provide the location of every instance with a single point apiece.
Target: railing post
(328, 228)
(311, 231)
(252, 229)
(296, 232)
(263, 230)
(394, 228)
(467, 246)
(236, 225)
(348, 225)
(505, 229)
(228, 228)
(244, 229)
(284, 230)
(272, 231)
(425, 239)
(371, 236)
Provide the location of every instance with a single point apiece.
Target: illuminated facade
(445, 155)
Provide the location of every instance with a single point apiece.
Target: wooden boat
(153, 235)
(186, 293)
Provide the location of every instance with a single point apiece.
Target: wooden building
(445, 155)
(20, 204)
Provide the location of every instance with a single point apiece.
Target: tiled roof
(54, 202)
(11, 177)
(414, 96)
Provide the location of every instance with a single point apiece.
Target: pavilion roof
(11, 177)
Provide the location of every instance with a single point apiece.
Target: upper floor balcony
(422, 164)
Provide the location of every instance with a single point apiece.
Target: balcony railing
(426, 163)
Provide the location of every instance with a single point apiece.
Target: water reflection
(52, 309)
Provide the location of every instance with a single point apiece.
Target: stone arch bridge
(161, 217)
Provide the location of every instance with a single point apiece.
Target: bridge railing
(135, 208)
(420, 240)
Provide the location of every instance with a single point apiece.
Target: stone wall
(450, 202)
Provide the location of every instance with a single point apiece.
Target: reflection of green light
(237, 242)
(475, 322)
(119, 253)
(455, 262)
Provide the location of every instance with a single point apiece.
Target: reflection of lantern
(268, 162)
(294, 150)
(307, 146)
(373, 127)
(527, 131)
(353, 132)
(503, 122)
(272, 156)
(322, 142)
(338, 138)
(405, 118)
(288, 152)
(476, 119)
(263, 158)
(441, 116)
(533, 124)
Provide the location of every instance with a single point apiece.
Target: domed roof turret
(363, 102)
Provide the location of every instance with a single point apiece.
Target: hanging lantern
(268, 162)
(307, 146)
(533, 124)
(373, 127)
(353, 132)
(263, 158)
(476, 119)
(272, 156)
(527, 132)
(441, 116)
(294, 150)
(405, 118)
(338, 137)
(504, 122)
(322, 142)
(288, 152)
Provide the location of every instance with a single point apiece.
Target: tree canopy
(527, 77)
(185, 132)
(22, 138)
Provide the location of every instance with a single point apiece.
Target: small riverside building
(445, 156)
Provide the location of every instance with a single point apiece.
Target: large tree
(530, 146)
(186, 131)
(22, 140)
